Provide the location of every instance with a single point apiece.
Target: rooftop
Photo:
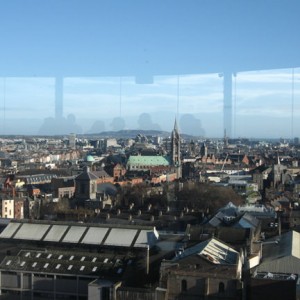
(67, 262)
(212, 250)
(84, 234)
(148, 160)
(281, 254)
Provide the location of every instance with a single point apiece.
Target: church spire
(176, 126)
(176, 153)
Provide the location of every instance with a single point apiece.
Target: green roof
(90, 158)
(148, 160)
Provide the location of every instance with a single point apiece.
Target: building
(86, 185)
(42, 260)
(279, 267)
(158, 163)
(72, 140)
(145, 163)
(208, 270)
(8, 208)
(63, 187)
(176, 150)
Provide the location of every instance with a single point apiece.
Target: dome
(90, 158)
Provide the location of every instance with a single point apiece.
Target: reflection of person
(191, 125)
(54, 126)
(145, 122)
(118, 124)
(97, 127)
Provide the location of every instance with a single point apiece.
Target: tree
(206, 197)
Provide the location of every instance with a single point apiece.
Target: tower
(203, 150)
(175, 150)
(72, 140)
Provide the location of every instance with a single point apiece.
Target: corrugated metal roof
(214, 251)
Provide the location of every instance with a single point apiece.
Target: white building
(8, 209)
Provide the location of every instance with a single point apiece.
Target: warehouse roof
(83, 234)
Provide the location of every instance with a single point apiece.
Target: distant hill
(128, 133)
(132, 134)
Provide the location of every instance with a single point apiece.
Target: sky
(104, 49)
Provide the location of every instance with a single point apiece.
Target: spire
(176, 126)
(175, 151)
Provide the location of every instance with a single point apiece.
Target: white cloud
(272, 76)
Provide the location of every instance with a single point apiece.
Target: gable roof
(87, 175)
(212, 250)
(247, 221)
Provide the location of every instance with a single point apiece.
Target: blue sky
(92, 44)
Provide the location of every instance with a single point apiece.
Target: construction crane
(224, 162)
